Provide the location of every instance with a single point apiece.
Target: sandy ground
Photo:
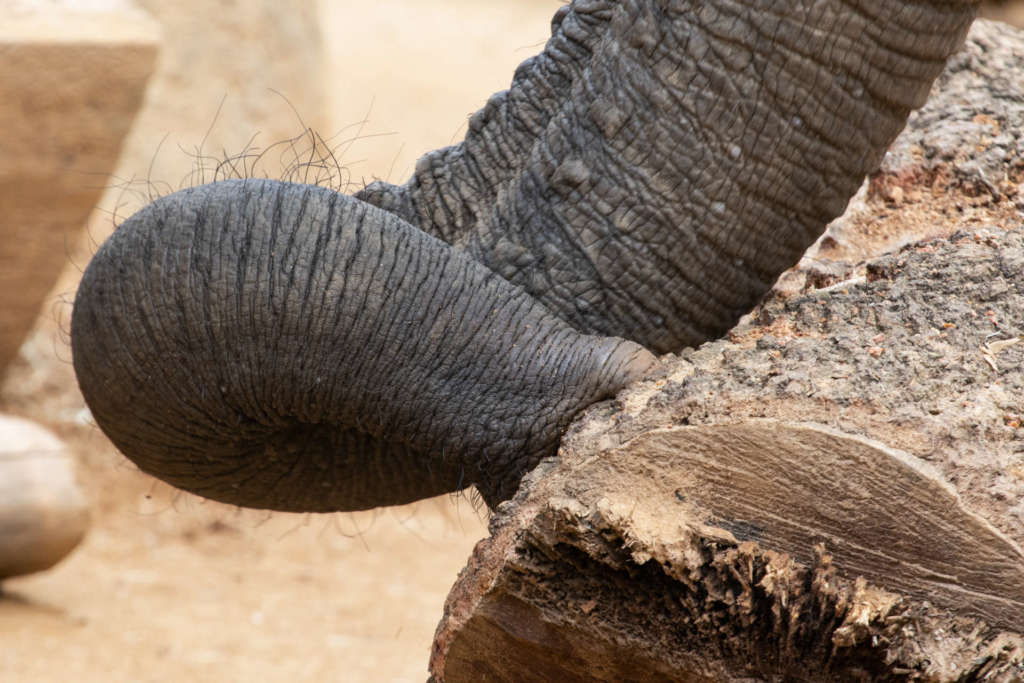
(167, 587)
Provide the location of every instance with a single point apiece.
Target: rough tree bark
(834, 492)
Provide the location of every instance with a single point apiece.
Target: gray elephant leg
(283, 346)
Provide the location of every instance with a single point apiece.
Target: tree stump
(833, 493)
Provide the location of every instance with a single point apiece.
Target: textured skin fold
(653, 171)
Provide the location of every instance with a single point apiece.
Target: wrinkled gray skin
(647, 177)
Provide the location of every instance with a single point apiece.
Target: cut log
(834, 493)
(881, 514)
(790, 504)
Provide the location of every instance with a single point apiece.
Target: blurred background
(1010, 11)
(109, 102)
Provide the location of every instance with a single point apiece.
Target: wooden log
(785, 505)
(833, 493)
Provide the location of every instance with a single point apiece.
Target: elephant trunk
(648, 176)
(662, 162)
(286, 347)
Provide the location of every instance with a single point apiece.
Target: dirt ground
(1010, 11)
(168, 587)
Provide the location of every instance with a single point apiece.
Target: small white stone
(43, 512)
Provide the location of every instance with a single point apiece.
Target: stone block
(73, 78)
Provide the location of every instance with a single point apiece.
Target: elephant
(638, 188)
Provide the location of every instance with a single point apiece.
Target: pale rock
(43, 512)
